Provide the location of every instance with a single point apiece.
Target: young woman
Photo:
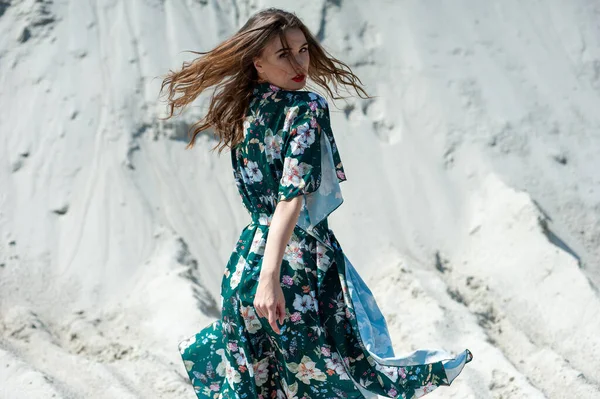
(297, 321)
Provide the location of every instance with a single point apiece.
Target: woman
(297, 320)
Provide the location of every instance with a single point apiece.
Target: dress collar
(260, 89)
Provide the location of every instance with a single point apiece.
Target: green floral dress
(334, 342)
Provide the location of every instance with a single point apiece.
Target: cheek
(280, 65)
(285, 66)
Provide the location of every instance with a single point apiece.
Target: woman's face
(275, 65)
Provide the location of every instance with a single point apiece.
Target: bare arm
(283, 222)
(269, 301)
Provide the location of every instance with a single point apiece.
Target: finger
(281, 312)
(257, 311)
(273, 321)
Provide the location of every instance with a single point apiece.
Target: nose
(300, 65)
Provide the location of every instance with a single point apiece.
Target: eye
(286, 53)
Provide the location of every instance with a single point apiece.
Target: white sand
(472, 206)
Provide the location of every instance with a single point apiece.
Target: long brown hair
(230, 66)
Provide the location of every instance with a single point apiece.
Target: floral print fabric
(334, 341)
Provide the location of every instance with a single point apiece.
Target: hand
(269, 301)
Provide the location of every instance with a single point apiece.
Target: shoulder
(308, 98)
(300, 98)
(305, 104)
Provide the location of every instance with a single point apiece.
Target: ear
(257, 63)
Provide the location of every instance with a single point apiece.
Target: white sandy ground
(472, 206)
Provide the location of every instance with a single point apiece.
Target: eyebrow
(287, 48)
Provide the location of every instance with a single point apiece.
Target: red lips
(298, 78)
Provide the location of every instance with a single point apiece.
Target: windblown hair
(230, 67)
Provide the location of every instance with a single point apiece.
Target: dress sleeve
(312, 166)
(302, 151)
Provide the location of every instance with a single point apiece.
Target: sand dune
(472, 206)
